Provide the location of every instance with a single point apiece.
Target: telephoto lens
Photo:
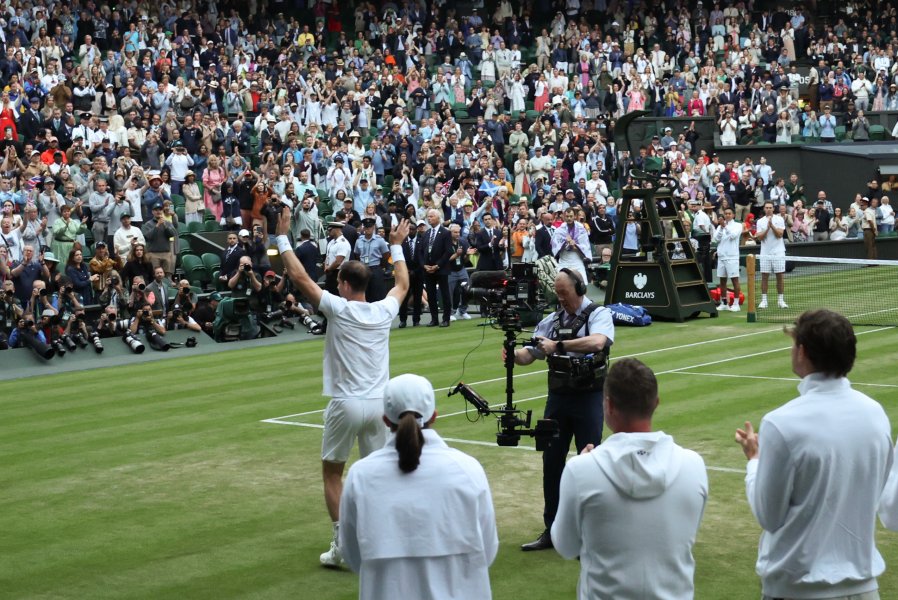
(79, 339)
(135, 344)
(141, 286)
(69, 342)
(97, 342)
(60, 347)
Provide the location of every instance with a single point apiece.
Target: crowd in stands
(124, 127)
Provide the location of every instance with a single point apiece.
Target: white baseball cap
(409, 393)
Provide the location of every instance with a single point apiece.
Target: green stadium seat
(194, 269)
(532, 115)
(877, 132)
(459, 106)
(461, 114)
(218, 285)
(212, 262)
(211, 225)
(179, 210)
(840, 133)
(178, 200)
(184, 245)
(182, 228)
(194, 227)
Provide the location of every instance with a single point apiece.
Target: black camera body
(510, 301)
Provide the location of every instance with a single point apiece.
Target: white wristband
(283, 243)
(396, 253)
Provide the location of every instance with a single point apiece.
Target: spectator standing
(816, 471)
(638, 488)
(398, 500)
(868, 227)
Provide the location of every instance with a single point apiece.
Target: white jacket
(428, 535)
(630, 509)
(727, 238)
(814, 489)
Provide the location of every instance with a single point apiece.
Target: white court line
(482, 443)
(680, 347)
(792, 379)
(753, 354)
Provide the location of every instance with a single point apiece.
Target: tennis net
(862, 290)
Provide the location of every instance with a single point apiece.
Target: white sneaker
(723, 306)
(735, 307)
(333, 558)
(782, 304)
(763, 303)
(452, 317)
(465, 316)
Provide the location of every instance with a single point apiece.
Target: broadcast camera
(509, 303)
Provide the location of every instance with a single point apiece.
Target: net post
(751, 315)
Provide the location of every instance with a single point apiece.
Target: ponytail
(409, 440)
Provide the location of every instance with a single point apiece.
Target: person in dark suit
(412, 250)
(434, 256)
(487, 243)
(31, 121)
(309, 254)
(230, 258)
(544, 236)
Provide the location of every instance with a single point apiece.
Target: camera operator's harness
(575, 373)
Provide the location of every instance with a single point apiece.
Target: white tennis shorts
(348, 418)
(773, 264)
(727, 268)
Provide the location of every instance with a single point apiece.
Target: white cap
(409, 393)
(243, 233)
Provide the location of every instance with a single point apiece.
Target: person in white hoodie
(631, 508)
(417, 517)
(816, 473)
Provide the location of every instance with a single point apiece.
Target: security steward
(575, 342)
(371, 250)
(338, 250)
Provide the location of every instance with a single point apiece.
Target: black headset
(579, 285)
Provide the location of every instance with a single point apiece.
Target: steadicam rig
(512, 423)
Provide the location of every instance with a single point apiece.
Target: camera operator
(144, 322)
(109, 325)
(23, 326)
(204, 314)
(244, 281)
(271, 294)
(180, 318)
(10, 312)
(113, 295)
(138, 295)
(567, 339)
(40, 302)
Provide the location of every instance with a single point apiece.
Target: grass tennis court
(170, 480)
(862, 294)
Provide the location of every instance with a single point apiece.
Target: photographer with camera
(356, 362)
(109, 325)
(10, 312)
(146, 323)
(26, 333)
(180, 318)
(244, 282)
(574, 341)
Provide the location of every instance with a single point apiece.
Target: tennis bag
(627, 314)
(546, 272)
